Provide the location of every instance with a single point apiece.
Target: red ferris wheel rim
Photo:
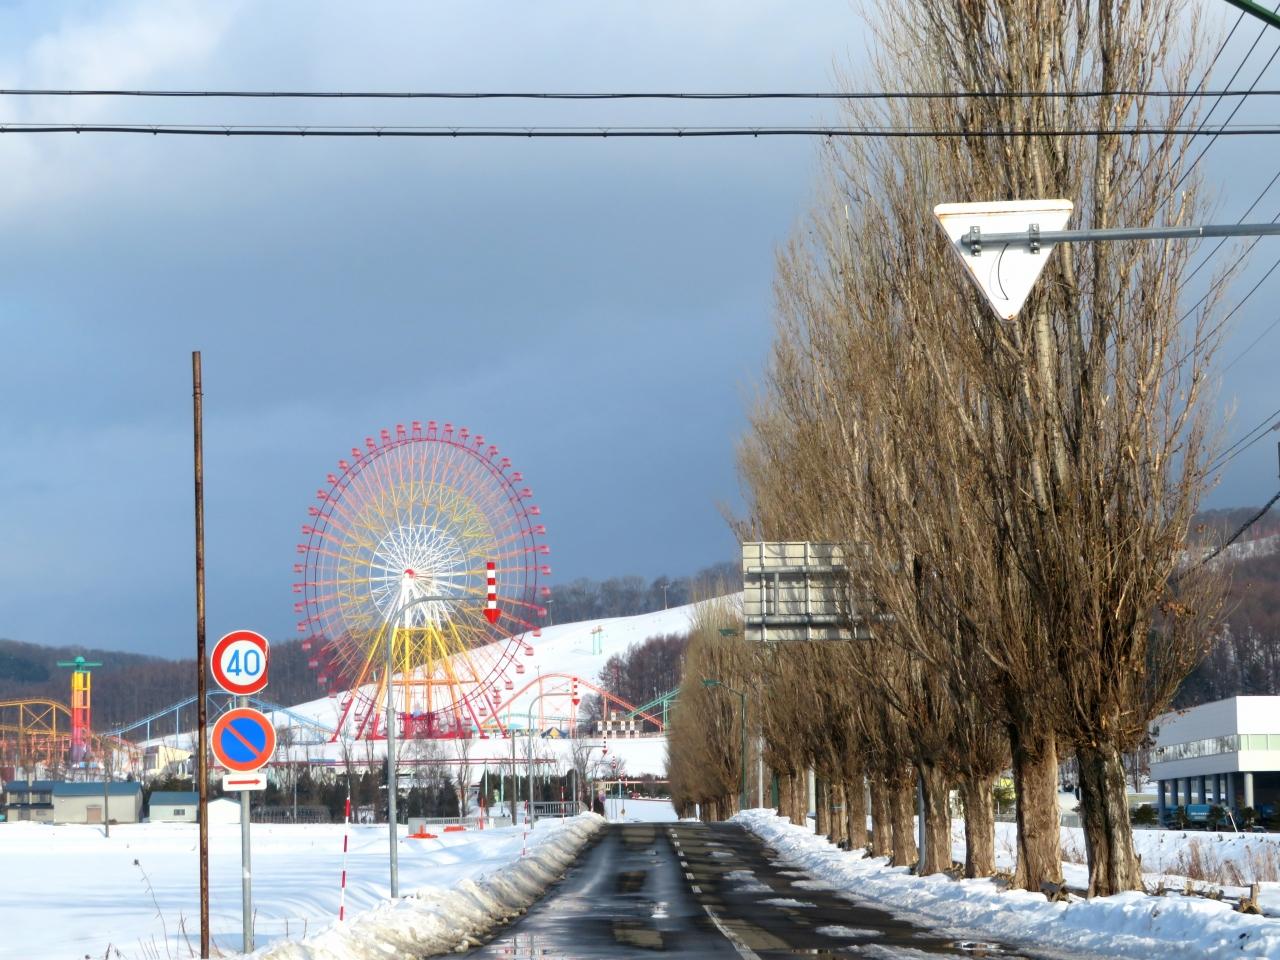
(448, 498)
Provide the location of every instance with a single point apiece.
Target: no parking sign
(243, 739)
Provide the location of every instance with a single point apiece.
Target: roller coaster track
(218, 703)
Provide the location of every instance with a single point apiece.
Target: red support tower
(80, 705)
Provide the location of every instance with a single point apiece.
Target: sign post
(243, 742)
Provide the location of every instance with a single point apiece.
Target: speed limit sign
(239, 662)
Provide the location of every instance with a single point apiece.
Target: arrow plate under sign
(244, 781)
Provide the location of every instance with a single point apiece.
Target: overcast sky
(599, 310)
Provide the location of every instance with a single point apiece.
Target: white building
(50, 801)
(174, 806)
(224, 810)
(1225, 753)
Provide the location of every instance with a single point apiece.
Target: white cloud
(123, 45)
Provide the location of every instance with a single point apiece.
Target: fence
(306, 813)
(1066, 818)
(557, 808)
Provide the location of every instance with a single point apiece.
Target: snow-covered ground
(70, 892)
(1128, 925)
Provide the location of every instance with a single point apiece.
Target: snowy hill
(562, 649)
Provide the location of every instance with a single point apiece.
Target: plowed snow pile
(1127, 925)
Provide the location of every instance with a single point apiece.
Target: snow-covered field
(1128, 925)
(69, 892)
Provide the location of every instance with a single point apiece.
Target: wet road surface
(705, 890)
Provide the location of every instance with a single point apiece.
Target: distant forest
(129, 686)
(585, 599)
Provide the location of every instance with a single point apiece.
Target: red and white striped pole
(342, 893)
(491, 597)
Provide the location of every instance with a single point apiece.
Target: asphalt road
(704, 890)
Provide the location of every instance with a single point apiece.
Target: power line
(606, 132)
(1257, 433)
(1236, 536)
(513, 95)
(1266, 66)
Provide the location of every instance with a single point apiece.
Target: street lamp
(392, 787)
(742, 700)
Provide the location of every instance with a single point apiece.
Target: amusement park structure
(558, 696)
(81, 704)
(37, 738)
(419, 570)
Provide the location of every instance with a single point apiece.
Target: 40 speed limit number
(239, 662)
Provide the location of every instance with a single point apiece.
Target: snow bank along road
(693, 890)
(1127, 925)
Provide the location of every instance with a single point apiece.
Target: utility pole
(202, 718)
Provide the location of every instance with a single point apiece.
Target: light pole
(533, 817)
(390, 720)
(742, 700)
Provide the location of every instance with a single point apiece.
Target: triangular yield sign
(1005, 272)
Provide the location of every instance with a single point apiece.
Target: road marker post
(342, 888)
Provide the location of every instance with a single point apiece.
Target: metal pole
(742, 697)
(1268, 17)
(390, 721)
(920, 817)
(1122, 233)
(760, 770)
(202, 719)
(246, 870)
(514, 789)
(529, 730)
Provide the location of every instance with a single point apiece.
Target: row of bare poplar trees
(1019, 494)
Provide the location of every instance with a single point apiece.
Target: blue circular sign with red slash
(243, 739)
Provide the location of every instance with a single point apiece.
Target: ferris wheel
(425, 540)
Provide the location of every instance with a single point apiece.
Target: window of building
(180, 812)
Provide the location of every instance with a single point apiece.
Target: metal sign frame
(794, 590)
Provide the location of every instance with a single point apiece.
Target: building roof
(22, 786)
(176, 797)
(91, 789)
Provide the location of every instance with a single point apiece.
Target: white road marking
(685, 864)
(695, 888)
(743, 950)
(688, 876)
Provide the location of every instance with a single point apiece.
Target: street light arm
(1257, 10)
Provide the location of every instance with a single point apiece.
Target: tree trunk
(881, 820)
(839, 826)
(1104, 813)
(1035, 779)
(855, 813)
(822, 822)
(979, 827)
(784, 794)
(902, 808)
(937, 820)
